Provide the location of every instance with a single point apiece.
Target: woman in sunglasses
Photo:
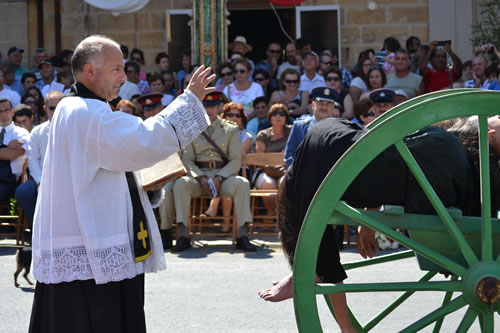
(333, 80)
(226, 76)
(242, 90)
(359, 84)
(272, 140)
(296, 101)
(364, 111)
(235, 113)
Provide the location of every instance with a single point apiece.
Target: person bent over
(214, 156)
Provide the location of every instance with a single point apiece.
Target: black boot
(166, 238)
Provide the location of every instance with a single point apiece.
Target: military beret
(213, 98)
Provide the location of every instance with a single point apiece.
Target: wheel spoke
(438, 258)
(448, 222)
(327, 288)
(453, 306)
(486, 234)
(357, 325)
(467, 321)
(488, 324)
(398, 301)
(446, 300)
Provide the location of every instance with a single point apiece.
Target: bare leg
(213, 207)
(280, 291)
(339, 303)
(227, 205)
(269, 202)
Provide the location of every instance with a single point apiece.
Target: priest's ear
(89, 71)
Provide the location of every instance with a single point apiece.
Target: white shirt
(308, 85)
(53, 86)
(37, 146)
(13, 132)
(129, 89)
(358, 82)
(167, 99)
(11, 95)
(244, 97)
(83, 225)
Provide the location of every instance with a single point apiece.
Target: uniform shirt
(227, 136)
(13, 132)
(37, 147)
(308, 85)
(11, 95)
(83, 217)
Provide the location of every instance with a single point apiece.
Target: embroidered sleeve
(187, 116)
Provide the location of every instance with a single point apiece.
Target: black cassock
(444, 160)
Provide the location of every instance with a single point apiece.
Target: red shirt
(438, 79)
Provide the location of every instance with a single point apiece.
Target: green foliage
(13, 207)
(488, 29)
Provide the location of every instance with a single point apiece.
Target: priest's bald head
(98, 64)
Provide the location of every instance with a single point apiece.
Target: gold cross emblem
(142, 235)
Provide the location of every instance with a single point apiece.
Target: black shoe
(244, 244)
(166, 239)
(181, 244)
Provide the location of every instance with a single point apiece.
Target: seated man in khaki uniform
(219, 162)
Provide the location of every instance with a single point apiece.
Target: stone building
(163, 25)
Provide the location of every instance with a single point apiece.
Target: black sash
(142, 246)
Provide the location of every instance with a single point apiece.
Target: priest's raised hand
(199, 82)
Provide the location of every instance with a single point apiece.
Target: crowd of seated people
(262, 97)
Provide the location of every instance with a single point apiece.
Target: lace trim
(189, 118)
(68, 264)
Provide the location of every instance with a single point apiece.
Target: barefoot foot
(280, 291)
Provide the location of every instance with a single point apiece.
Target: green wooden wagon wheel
(474, 264)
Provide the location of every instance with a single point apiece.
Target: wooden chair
(264, 222)
(199, 225)
(14, 225)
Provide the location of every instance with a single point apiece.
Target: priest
(94, 233)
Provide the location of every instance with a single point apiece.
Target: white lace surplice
(83, 218)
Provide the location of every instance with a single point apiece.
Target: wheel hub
(488, 290)
(481, 286)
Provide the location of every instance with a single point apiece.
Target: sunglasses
(275, 51)
(136, 59)
(259, 79)
(327, 62)
(233, 115)
(332, 78)
(226, 74)
(276, 113)
(240, 71)
(292, 81)
(51, 108)
(29, 102)
(370, 114)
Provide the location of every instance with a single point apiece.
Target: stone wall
(13, 28)
(361, 28)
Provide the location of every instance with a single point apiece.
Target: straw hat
(240, 40)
